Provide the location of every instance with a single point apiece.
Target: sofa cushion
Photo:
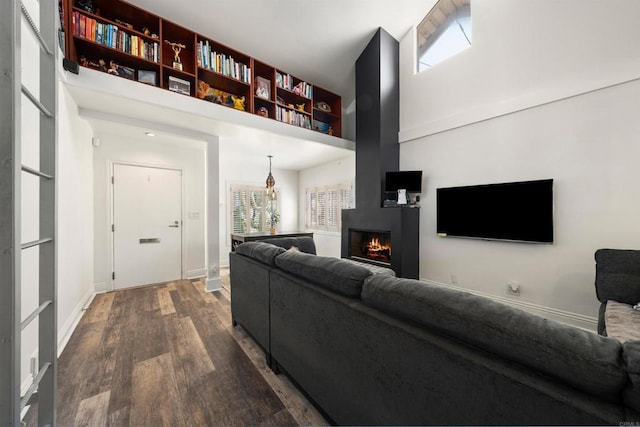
(263, 252)
(304, 243)
(622, 322)
(618, 275)
(331, 273)
(375, 269)
(631, 354)
(584, 359)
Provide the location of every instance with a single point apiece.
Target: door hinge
(113, 275)
(113, 228)
(113, 181)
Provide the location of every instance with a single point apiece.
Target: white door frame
(110, 206)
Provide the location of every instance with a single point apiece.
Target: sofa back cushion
(583, 359)
(330, 273)
(618, 275)
(263, 252)
(303, 243)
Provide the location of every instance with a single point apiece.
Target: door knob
(175, 224)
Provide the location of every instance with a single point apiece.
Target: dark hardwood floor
(167, 355)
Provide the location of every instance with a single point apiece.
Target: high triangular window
(444, 32)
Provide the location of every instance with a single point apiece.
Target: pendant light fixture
(271, 182)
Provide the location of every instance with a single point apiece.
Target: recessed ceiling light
(150, 134)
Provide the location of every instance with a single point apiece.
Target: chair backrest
(618, 275)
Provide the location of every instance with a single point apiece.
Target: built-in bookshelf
(123, 40)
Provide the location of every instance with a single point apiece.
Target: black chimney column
(377, 118)
(378, 151)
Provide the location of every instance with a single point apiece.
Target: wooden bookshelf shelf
(116, 37)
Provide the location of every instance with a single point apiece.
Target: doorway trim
(110, 206)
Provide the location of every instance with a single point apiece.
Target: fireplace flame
(378, 250)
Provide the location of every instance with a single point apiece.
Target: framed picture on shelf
(127, 72)
(179, 85)
(320, 126)
(148, 77)
(263, 88)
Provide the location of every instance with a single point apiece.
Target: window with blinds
(444, 32)
(251, 209)
(324, 206)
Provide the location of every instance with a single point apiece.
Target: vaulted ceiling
(316, 40)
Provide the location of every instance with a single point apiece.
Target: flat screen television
(514, 211)
(407, 180)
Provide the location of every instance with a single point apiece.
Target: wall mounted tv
(514, 211)
(407, 180)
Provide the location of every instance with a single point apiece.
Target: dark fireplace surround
(377, 151)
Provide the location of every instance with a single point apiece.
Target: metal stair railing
(43, 386)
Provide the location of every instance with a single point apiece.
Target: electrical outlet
(34, 365)
(513, 288)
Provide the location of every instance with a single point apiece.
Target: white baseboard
(200, 272)
(101, 288)
(64, 333)
(581, 321)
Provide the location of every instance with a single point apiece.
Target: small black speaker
(70, 65)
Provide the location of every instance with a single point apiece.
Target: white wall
(541, 94)
(236, 170)
(115, 149)
(335, 172)
(75, 214)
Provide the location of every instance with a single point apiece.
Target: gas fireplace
(372, 246)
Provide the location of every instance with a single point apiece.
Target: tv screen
(407, 180)
(517, 211)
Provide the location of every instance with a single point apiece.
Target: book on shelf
(221, 63)
(285, 81)
(111, 36)
(293, 117)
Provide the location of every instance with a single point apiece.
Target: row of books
(293, 117)
(222, 63)
(111, 36)
(285, 81)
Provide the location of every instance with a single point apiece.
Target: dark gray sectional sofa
(370, 349)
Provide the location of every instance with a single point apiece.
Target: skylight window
(444, 32)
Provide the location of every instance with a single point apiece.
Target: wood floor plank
(93, 410)
(139, 366)
(150, 336)
(74, 363)
(155, 393)
(187, 349)
(120, 337)
(100, 308)
(166, 303)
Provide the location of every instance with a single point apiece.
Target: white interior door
(147, 225)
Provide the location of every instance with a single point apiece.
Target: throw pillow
(622, 321)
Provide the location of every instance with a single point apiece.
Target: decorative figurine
(177, 47)
(262, 111)
(323, 106)
(238, 103)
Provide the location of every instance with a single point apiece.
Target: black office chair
(617, 279)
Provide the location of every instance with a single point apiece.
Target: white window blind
(250, 209)
(324, 206)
